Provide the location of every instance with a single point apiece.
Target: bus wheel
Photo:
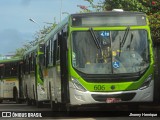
(15, 95)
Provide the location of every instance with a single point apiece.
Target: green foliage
(39, 37)
(19, 52)
(94, 7)
(155, 26)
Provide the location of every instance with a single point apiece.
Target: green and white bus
(33, 83)
(10, 80)
(94, 58)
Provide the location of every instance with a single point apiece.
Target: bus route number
(99, 87)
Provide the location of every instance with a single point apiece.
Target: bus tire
(15, 95)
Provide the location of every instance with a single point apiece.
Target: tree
(39, 37)
(96, 7)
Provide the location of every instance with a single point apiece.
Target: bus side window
(58, 50)
(29, 61)
(1, 71)
(54, 51)
(24, 65)
(50, 52)
(44, 55)
(33, 62)
(47, 54)
(27, 64)
(14, 70)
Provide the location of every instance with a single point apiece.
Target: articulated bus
(10, 80)
(96, 58)
(33, 84)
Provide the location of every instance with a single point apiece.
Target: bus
(10, 80)
(32, 77)
(96, 58)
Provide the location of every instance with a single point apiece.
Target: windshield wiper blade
(129, 46)
(95, 38)
(124, 38)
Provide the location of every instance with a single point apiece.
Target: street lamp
(34, 22)
(40, 34)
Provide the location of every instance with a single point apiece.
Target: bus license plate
(113, 100)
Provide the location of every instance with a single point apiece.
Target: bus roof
(31, 49)
(107, 13)
(57, 28)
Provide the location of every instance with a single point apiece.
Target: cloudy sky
(15, 27)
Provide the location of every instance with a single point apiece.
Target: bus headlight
(146, 82)
(77, 85)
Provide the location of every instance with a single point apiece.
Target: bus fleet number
(99, 87)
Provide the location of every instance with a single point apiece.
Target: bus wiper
(95, 38)
(129, 46)
(97, 42)
(124, 38)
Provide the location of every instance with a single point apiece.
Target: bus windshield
(114, 55)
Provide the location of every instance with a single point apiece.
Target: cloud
(11, 39)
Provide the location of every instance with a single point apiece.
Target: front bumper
(79, 98)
